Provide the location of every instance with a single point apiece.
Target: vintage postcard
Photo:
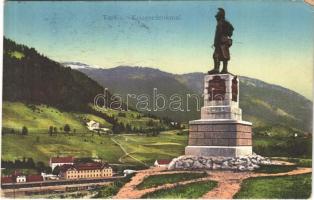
(157, 99)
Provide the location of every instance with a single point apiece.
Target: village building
(34, 178)
(59, 161)
(85, 171)
(92, 125)
(21, 179)
(162, 163)
(7, 179)
(49, 176)
(128, 172)
(95, 126)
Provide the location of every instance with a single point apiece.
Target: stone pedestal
(220, 131)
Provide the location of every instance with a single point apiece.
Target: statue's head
(220, 14)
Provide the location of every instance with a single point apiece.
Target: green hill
(40, 146)
(38, 118)
(33, 78)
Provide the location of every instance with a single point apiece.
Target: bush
(120, 114)
(67, 128)
(24, 130)
(113, 189)
(278, 146)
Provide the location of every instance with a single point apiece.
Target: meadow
(281, 187)
(157, 180)
(188, 191)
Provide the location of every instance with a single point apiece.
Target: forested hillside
(30, 77)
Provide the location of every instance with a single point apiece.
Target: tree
(30, 163)
(24, 130)
(67, 128)
(115, 129)
(56, 170)
(50, 131)
(55, 130)
(128, 128)
(150, 123)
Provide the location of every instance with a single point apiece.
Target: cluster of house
(68, 169)
(18, 177)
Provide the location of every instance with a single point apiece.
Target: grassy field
(280, 187)
(167, 145)
(156, 180)
(273, 169)
(188, 191)
(39, 118)
(135, 119)
(301, 162)
(41, 147)
(80, 145)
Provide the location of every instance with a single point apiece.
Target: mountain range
(32, 78)
(272, 109)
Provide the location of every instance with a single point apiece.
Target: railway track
(57, 182)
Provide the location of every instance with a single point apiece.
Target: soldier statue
(222, 42)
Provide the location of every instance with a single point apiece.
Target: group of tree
(66, 129)
(22, 131)
(152, 132)
(52, 130)
(25, 163)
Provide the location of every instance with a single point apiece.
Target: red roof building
(7, 179)
(59, 161)
(34, 178)
(162, 163)
(68, 159)
(86, 170)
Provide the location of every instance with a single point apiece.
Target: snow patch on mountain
(78, 65)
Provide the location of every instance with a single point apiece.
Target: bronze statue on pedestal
(222, 42)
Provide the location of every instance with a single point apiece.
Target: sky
(273, 40)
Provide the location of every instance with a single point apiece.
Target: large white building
(59, 161)
(95, 126)
(86, 171)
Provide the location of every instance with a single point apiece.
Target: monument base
(219, 138)
(217, 151)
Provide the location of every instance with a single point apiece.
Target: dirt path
(126, 153)
(129, 191)
(229, 182)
